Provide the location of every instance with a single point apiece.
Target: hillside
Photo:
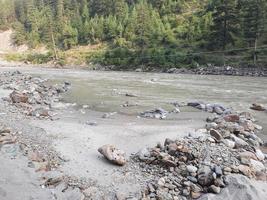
(156, 33)
(7, 45)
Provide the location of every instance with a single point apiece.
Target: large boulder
(114, 155)
(240, 188)
(17, 97)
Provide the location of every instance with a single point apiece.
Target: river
(105, 91)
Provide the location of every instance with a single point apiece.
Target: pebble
(229, 143)
(214, 133)
(218, 170)
(259, 154)
(161, 182)
(214, 189)
(191, 169)
(257, 166)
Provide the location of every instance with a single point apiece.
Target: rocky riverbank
(206, 70)
(227, 70)
(258, 71)
(190, 167)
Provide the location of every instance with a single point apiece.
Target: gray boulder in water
(157, 113)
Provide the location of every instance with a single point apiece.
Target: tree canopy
(150, 29)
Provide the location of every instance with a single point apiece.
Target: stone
(130, 95)
(258, 127)
(113, 154)
(40, 112)
(219, 182)
(247, 115)
(172, 148)
(261, 176)
(229, 143)
(157, 113)
(168, 141)
(143, 154)
(239, 142)
(257, 166)
(194, 103)
(245, 170)
(73, 194)
(161, 182)
(191, 169)
(218, 170)
(248, 155)
(205, 176)
(257, 107)
(195, 195)
(259, 154)
(176, 110)
(227, 170)
(231, 118)
(209, 108)
(91, 123)
(211, 125)
(214, 133)
(192, 179)
(248, 125)
(17, 97)
(218, 110)
(214, 189)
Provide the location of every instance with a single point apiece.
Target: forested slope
(158, 33)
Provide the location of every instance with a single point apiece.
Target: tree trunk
(255, 52)
(54, 44)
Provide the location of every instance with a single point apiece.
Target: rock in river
(113, 154)
(257, 107)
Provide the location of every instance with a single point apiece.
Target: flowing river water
(105, 91)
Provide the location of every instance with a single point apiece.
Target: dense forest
(158, 33)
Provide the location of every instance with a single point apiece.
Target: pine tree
(225, 23)
(253, 22)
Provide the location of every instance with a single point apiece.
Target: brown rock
(257, 107)
(248, 155)
(245, 170)
(231, 118)
(113, 154)
(214, 133)
(7, 139)
(261, 176)
(195, 195)
(172, 148)
(248, 125)
(17, 97)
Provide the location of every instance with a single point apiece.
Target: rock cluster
(212, 108)
(227, 70)
(31, 95)
(157, 113)
(189, 167)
